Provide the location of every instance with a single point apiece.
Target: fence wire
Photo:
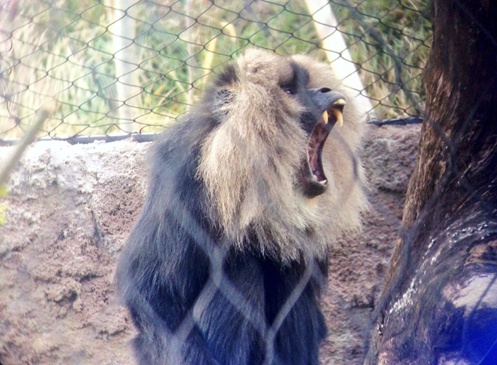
(109, 69)
(120, 67)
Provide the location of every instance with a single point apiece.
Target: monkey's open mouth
(316, 181)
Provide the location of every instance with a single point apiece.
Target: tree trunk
(439, 305)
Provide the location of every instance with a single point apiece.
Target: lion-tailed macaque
(227, 260)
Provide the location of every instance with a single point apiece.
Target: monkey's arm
(168, 292)
(230, 317)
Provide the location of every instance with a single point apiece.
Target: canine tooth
(338, 115)
(340, 102)
(325, 117)
(322, 182)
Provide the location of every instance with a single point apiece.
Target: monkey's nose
(323, 98)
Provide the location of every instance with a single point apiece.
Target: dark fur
(169, 259)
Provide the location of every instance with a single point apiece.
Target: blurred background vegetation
(115, 67)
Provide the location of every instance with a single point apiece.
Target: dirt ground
(69, 210)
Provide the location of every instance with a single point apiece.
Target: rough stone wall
(70, 209)
(358, 263)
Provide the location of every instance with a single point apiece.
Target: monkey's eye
(289, 90)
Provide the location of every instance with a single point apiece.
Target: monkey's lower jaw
(314, 180)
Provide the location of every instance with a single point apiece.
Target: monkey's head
(282, 163)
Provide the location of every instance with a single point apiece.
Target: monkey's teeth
(337, 112)
(325, 117)
(339, 117)
(322, 182)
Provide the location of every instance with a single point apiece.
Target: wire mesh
(111, 69)
(114, 68)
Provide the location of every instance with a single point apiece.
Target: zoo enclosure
(108, 69)
(115, 68)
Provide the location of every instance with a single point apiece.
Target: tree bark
(440, 301)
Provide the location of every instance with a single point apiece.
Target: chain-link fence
(118, 67)
(108, 69)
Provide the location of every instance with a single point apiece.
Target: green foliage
(390, 41)
(66, 51)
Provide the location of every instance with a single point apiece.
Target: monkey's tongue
(318, 137)
(316, 143)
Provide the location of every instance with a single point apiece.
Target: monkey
(228, 257)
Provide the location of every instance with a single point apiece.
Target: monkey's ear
(222, 102)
